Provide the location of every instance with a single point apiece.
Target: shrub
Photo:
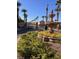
(48, 34)
(29, 46)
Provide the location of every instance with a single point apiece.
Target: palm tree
(43, 18)
(58, 9)
(46, 12)
(18, 19)
(25, 16)
(46, 27)
(18, 5)
(58, 2)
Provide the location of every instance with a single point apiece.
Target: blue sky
(37, 8)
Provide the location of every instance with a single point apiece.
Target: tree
(58, 9)
(25, 16)
(46, 27)
(18, 5)
(43, 18)
(18, 18)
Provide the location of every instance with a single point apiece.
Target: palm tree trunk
(57, 15)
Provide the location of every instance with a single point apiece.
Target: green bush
(48, 34)
(29, 46)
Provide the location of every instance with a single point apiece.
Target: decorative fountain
(50, 34)
(58, 28)
(50, 25)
